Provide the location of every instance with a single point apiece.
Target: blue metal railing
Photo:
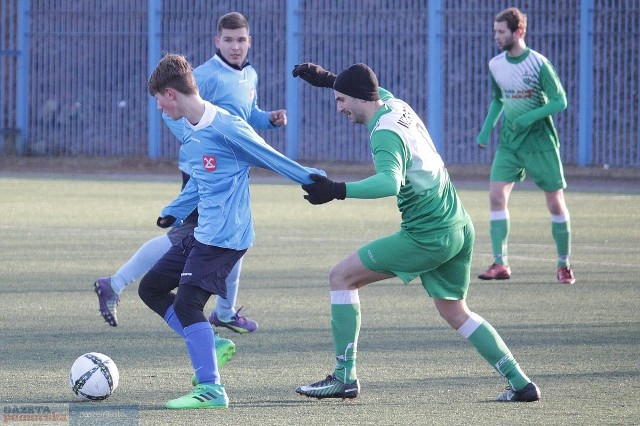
(75, 77)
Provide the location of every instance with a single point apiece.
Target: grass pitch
(579, 343)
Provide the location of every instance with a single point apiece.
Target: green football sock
(490, 345)
(345, 324)
(499, 232)
(561, 232)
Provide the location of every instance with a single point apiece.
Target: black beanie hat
(358, 81)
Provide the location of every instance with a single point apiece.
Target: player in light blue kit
(220, 149)
(228, 81)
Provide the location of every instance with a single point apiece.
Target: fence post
(153, 123)
(22, 85)
(585, 96)
(434, 73)
(291, 85)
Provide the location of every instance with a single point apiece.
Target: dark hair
(173, 71)
(232, 21)
(514, 19)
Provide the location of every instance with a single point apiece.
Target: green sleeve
(495, 109)
(388, 153)
(557, 99)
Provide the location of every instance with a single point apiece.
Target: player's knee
(335, 276)
(497, 201)
(454, 312)
(145, 289)
(150, 288)
(340, 278)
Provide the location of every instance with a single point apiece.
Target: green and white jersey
(408, 166)
(529, 90)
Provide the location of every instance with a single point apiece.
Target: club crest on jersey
(209, 162)
(528, 78)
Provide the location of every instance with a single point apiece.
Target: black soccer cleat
(330, 388)
(530, 393)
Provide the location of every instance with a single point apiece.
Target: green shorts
(544, 168)
(443, 263)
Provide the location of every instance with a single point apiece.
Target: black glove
(165, 222)
(323, 190)
(314, 74)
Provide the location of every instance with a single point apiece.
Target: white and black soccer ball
(94, 376)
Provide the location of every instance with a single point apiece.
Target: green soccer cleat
(225, 350)
(203, 396)
(330, 388)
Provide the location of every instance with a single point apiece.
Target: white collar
(207, 117)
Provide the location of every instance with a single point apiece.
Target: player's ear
(169, 92)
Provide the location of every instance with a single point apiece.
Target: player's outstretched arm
(314, 74)
(250, 147)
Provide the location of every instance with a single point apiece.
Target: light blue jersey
(220, 150)
(229, 88)
(232, 89)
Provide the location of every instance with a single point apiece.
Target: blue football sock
(172, 320)
(201, 346)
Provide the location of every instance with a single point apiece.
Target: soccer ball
(94, 376)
